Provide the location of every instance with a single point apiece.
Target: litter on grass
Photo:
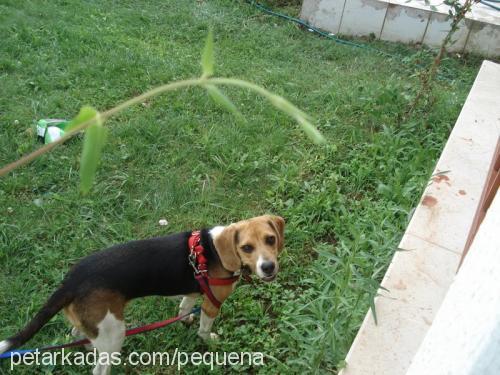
(50, 130)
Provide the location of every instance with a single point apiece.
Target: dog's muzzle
(269, 270)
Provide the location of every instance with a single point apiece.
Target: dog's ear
(278, 224)
(225, 244)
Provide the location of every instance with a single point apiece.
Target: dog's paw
(78, 335)
(208, 336)
(188, 320)
(75, 332)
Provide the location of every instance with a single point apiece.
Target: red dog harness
(198, 261)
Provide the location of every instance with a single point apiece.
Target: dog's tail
(54, 304)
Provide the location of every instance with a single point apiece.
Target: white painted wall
(465, 336)
(407, 21)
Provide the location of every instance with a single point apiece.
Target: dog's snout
(268, 267)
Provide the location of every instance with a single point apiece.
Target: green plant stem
(279, 102)
(105, 115)
(152, 93)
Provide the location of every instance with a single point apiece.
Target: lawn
(182, 158)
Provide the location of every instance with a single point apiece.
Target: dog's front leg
(208, 314)
(206, 323)
(186, 306)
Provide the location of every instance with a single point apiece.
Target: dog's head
(254, 243)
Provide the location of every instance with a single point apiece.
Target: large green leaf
(95, 137)
(302, 118)
(207, 59)
(222, 100)
(86, 114)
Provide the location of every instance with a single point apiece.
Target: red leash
(129, 332)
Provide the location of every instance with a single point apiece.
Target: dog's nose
(268, 267)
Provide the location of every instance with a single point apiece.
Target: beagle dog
(96, 290)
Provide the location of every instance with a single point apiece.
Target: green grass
(181, 158)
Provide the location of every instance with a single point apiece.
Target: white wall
(465, 336)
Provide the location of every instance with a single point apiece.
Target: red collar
(199, 263)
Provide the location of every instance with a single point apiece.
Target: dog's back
(136, 269)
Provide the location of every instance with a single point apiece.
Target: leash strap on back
(198, 261)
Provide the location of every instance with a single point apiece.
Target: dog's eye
(270, 240)
(247, 248)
